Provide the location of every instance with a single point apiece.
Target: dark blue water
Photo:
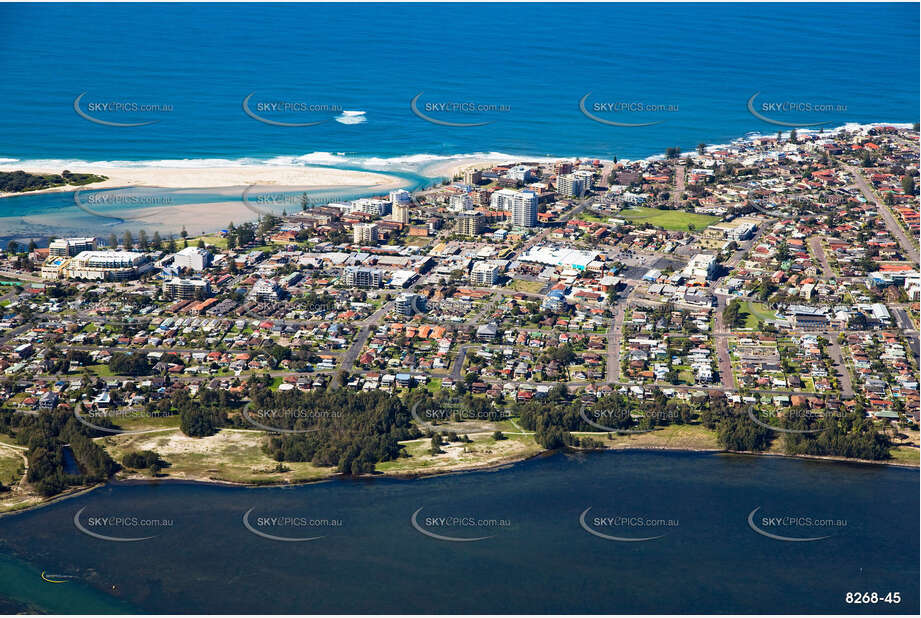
(542, 560)
(70, 462)
(537, 61)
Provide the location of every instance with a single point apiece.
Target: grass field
(233, 455)
(532, 287)
(905, 454)
(671, 436)
(210, 240)
(668, 219)
(11, 465)
(755, 312)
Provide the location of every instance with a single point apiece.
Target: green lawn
(668, 219)
(755, 312)
(101, 371)
(210, 240)
(586, 216)
(532, 287)
(11, 466)
(905, 454)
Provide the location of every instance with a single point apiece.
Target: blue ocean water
(695, 64)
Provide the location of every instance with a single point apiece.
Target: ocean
(376, 553)
(522, 69)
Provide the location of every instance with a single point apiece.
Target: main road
(815, 243)
(721, 340)
(911, 250)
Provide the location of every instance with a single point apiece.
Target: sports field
(667, 219)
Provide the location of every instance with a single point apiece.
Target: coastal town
(776, 277)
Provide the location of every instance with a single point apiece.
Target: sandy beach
(455, 167)
(195, 218)
(215, 177)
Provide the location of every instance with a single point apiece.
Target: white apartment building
(570, 185)
(192, 258)
(186, 288)
(460, 202)
(484, 274)
(521, 204)
(364, 233)
(370, 206)
(400, 212)
(361, 277)
(701, 267)
(69, 247)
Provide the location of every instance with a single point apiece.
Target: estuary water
(390, 546)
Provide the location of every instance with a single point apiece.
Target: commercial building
(98, 265)
(186, 289)
(361, 277)
(736, 230)
(567, 258)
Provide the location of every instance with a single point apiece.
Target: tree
(127, 240)
(732, 314)
(701, 148)
(113, 241)
(908, 184)
(436, 444)
(12, 247)
(197, 422)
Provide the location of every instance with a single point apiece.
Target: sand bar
(213, 177)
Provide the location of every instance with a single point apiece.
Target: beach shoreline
(448, 470)
(204, 218)
(213, 177)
